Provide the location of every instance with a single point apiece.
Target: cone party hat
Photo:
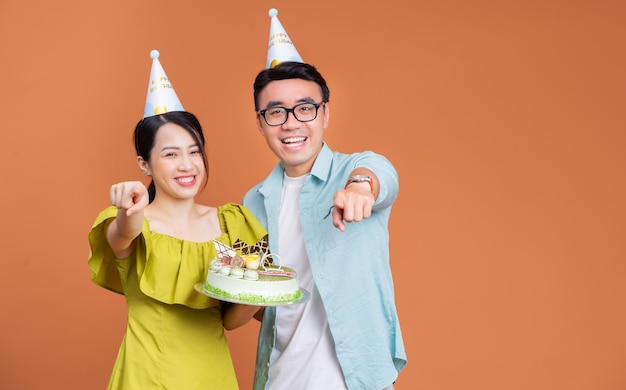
(161, 96)
(280, 48)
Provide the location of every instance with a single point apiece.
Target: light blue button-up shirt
(351, 269)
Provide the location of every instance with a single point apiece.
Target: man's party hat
(161, 96)
(280, 48)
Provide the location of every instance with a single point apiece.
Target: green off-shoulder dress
(174, 337)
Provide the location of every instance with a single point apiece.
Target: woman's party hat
(280, 48)
(161, 96)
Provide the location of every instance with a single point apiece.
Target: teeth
(186, 179)
(293, 139)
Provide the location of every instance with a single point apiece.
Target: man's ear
(326, 114)
(259, 125)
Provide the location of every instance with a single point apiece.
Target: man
(327, 216)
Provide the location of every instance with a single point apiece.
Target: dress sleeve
(102, 261)
(238, 222)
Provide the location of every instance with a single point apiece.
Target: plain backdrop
(505, 119)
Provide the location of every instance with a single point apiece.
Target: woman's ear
(144, 166)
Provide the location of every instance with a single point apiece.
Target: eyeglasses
(303, 112)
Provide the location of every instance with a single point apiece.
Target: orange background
(505, 120)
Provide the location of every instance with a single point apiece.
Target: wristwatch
(360, 179)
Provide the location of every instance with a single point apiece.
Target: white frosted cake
(252, 279)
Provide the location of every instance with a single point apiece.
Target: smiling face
(295, 143)
(176, 163)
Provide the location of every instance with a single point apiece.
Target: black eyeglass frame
(292, 111)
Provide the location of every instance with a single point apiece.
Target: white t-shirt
(304, 352)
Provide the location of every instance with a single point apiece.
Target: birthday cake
(253, 278)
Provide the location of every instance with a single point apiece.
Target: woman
(153, 245)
